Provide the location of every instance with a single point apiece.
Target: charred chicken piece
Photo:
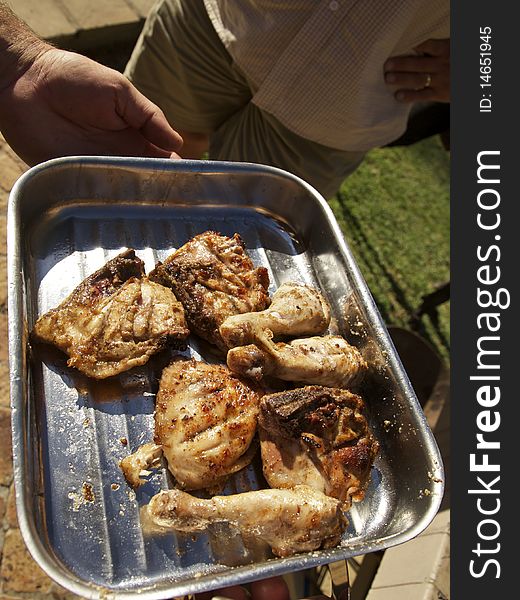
(290, 521)
(319, 437)
(213, 278)
(295, 310)
(205, 421)
(114, 320)
(322, 360)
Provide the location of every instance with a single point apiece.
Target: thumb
(140, 113)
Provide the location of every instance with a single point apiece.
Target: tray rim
(18, 384)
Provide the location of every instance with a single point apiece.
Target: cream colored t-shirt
(317, 66)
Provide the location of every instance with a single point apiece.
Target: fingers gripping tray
(80, 520)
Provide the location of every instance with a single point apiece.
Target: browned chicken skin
(213, 278)
(135, 465)
(290, 521)
(319, 437)
(205, 421)
(322, 360)
(295, 310)
(114, 320)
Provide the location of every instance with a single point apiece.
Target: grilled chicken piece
(205, 421)
(114, 320)
(319, 437)
(322, 360)
(214, 278)
(295, 310)
(290, 521)
(135, 465)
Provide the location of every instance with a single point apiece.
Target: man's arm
(58, 103)
(19, 47)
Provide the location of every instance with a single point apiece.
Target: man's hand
(66, 104)
(422, 77)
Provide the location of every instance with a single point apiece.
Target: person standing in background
(303, 85)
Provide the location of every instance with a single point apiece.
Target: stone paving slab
(419, 562)
(83, 24)
(45, 17)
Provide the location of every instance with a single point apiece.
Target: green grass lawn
(394, 213)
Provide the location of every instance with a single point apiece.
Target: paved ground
(80, 25)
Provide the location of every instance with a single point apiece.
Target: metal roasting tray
(79, 519)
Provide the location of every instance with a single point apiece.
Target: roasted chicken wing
(290, 521)
(322, 360)
(114, 320)
(214, 278)
(295, 310)
(205, 421)
(136, 465)
(319, 437)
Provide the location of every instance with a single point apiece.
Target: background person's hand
(422, 77)
(66, 104)
(272, 588)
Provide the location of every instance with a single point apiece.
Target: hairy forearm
(19, 47)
